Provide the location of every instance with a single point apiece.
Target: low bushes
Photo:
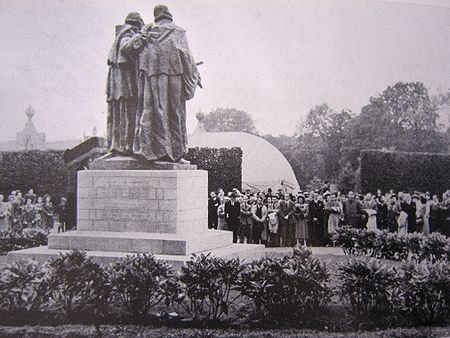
(139, 283)
(29, 238)
(23, 287)
(78, 288)
(208, 286)
(290, 291)
(366, 285)
(424, 292)
(293, 288)
(387, 245)
(413, 293)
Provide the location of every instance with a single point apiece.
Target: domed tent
(263, 165)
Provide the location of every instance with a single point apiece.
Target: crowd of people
(285, 219)
(20, 211)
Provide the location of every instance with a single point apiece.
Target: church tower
(30, 138)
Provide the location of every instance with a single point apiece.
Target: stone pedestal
(121, 212)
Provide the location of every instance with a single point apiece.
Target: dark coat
(232, 213)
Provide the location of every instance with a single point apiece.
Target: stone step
(135, 242)
(246, 252)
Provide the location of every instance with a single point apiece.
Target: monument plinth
(122, 212)
(157, 211)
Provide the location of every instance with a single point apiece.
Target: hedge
(393, 246)
(224, 166)
(403, 171)
(45, 172)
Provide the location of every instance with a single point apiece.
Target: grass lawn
(75, 331)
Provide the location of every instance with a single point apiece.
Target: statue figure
(167, 77)
(121, 89)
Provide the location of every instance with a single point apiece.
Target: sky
(275, 59)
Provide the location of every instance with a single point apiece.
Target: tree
(402, 117)
(229, 120)
(329, 127)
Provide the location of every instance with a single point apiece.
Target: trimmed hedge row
(45, 172)
(29, 238)
(403, 171)
(293, 291)
(224, 166)
(393, 246)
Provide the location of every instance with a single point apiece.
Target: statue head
(134, 19)
(161, 12)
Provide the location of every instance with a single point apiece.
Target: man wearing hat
(232, 213)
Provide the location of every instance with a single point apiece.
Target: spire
(30, 111)
(200, 128)
(29, 126)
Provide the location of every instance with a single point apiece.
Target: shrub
(393, 246)
(366, 285)
(79, 287)
(28, 239)
(43, 171)
(423, 296)
(139, 283)
(208, 286)
(435, 247)
(224, 166)
(293, 288)
(419, 171)
(23, 286)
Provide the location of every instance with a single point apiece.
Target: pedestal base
(123, 162)
(43, 253)
(120, 212)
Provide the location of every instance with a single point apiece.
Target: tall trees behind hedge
(404, 117)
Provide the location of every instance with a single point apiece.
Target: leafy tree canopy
(402, 117)
(229, 120)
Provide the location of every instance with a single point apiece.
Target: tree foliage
(327, 128)
(402, 117)
(229, 120)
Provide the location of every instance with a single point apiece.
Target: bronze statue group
(152, 74)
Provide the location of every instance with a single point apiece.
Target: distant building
(30, 138)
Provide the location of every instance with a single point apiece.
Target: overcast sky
(273, 59)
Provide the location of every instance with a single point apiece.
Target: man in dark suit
(409, 207)
(232, 213)
(316, 216)
(213, 204)
(285, 222)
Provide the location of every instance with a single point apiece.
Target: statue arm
(132, 43)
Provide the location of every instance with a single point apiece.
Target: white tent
(263, 165)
